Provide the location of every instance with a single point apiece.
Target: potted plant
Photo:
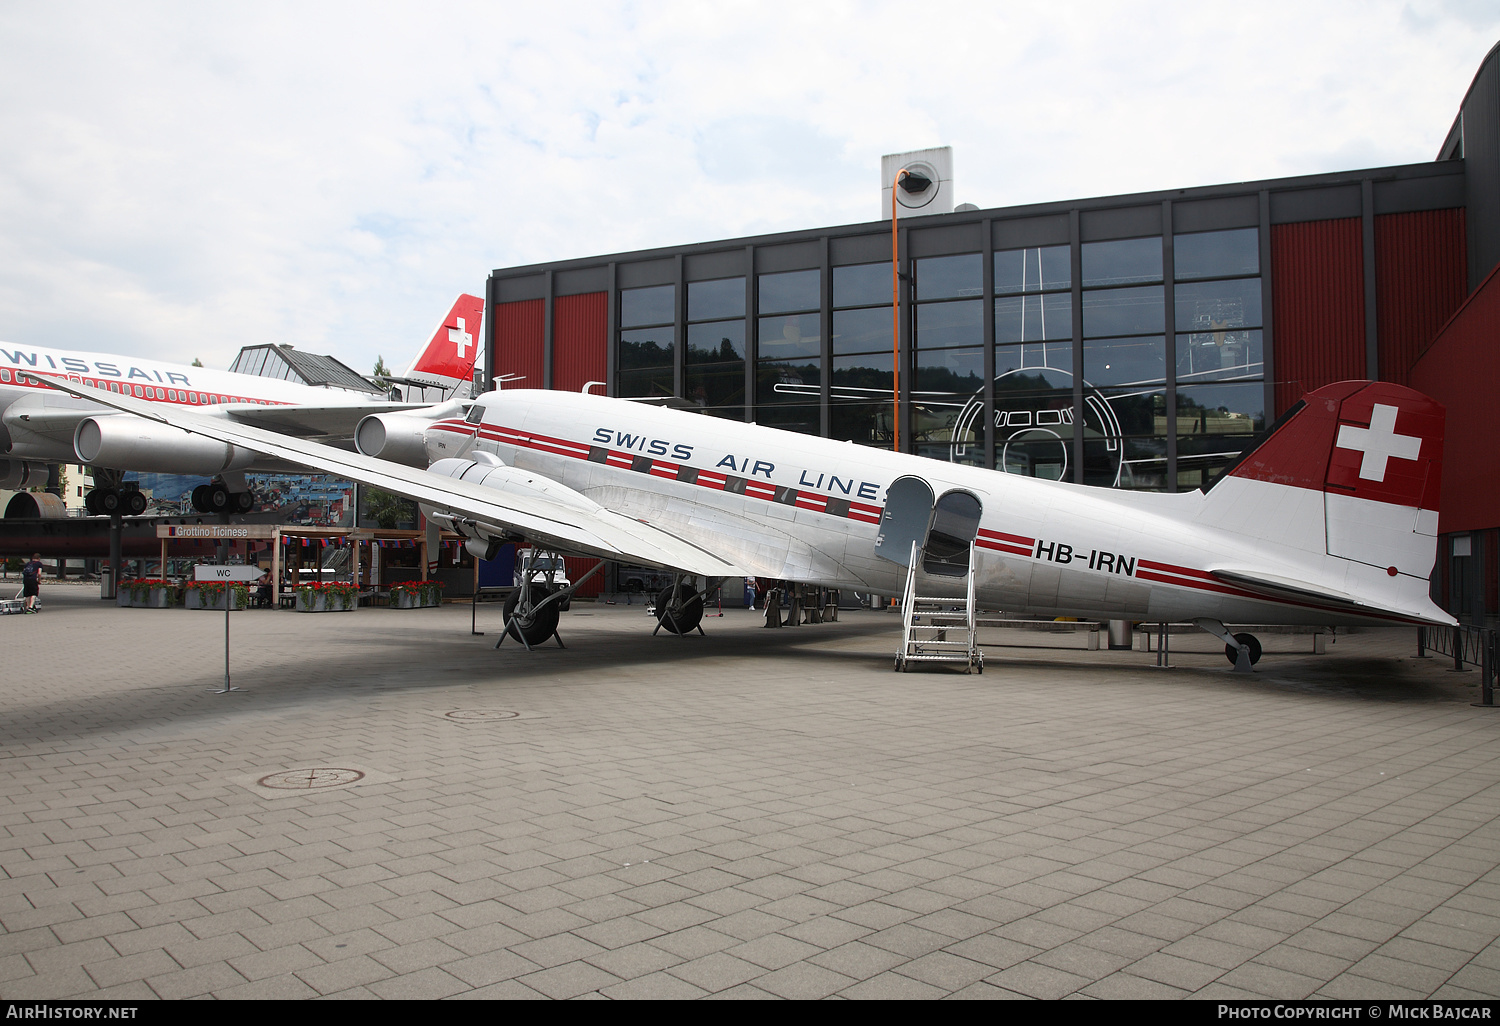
(151, 593)
(416, 594)
(212, 595)
(334, 597)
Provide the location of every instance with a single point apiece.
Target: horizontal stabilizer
(1287, 590)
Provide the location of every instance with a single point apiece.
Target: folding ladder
(930, 623)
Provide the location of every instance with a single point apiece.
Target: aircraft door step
(938, 629)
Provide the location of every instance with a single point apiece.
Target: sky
(178, 180)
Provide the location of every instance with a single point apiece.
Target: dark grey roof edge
(1427, 169)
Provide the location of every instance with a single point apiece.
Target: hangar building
(1136, 341)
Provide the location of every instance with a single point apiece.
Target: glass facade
(1134, 362)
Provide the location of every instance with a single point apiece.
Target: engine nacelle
(34, 506)
(394, 436)
(16, 474)
(135, 443)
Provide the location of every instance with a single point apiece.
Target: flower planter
(213, 596)
(320, 600)
(148, 595)
(156, 598)
(410, 600)
(417, 595)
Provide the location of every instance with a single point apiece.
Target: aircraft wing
(312, 421)
(1285, 589)
(527, 504)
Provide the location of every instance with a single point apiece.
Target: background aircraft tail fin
(1353, 470)
(451, 350)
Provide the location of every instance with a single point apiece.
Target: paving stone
(858, 838)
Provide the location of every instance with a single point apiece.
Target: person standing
(31, 581)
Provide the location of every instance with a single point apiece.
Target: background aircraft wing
(519, 501)
(313, 421)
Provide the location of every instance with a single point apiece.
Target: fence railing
(1468, 647)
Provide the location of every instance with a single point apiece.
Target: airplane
(1330, 520)
(39, 426)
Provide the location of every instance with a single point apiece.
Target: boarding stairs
(938, 629)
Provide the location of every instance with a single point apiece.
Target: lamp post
(895, 320)
(913, 182)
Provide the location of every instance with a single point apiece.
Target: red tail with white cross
(1374, 450)
(450, 353)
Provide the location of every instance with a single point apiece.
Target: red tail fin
(1368, 439)
(450, 353)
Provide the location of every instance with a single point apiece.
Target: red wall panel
(579, 344)
(1318, 282)
(519, 331)
(1421, 277)
(577, 567)
(1461, 370)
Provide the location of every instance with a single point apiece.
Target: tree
(380, 370)
(197, 362)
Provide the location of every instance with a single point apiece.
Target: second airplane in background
(41, 426)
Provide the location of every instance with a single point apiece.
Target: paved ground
(749, 814)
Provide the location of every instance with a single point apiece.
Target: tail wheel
(135, 503)
(537, 626)
(1250, 641)
(685, 614)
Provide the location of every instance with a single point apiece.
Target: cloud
(182, 180)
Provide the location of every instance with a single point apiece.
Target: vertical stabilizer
(450, 353)
(1354, 470)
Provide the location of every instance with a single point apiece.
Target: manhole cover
(481, 714)
(310, 779)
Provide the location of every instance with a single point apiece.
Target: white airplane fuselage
(39, 421)
(810, 509)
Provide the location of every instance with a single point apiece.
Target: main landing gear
(124, 501)
(216, 497)
(679, 609)
(532, 611)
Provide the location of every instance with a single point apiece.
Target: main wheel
(688, 612)
(91, 502)
(134, 503)
(109, 502)
(218, 498)
(242, 501)
(200, 499)
(1250, 640)
(537, 627)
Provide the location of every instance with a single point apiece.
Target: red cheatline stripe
(1198, 584)
(1015, 539)
(813, 501)
(760, 491)
(660, 469)
(863, 517)
(710, 479)
(1169, 568)
(1016, 550)
(619, 459)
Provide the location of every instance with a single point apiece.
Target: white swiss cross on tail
(1378, 443)
(463, 340)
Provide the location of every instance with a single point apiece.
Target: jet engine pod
(15, 474)
(135, 443)
(393, 436)
(35, 506)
